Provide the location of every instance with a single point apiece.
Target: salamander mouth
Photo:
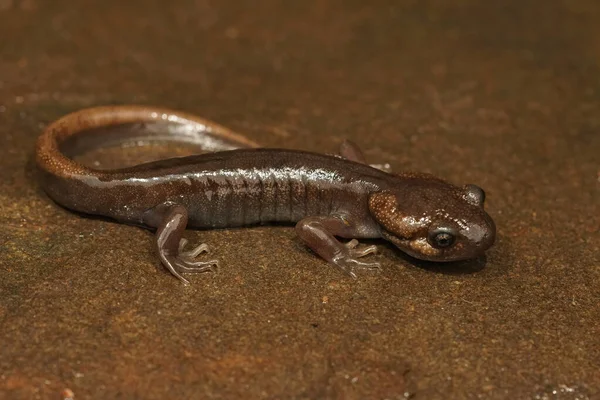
(401, 243)
(417, 248)
(397, 241)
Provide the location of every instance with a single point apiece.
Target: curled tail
(109, 125)
(105, 126)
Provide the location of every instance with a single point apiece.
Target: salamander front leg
(170, 244)
(350, 151)
(319, 233)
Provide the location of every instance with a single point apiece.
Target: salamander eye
(441, 238)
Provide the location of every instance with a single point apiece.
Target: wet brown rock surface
(505, 96)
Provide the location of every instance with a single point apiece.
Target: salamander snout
(472, 236)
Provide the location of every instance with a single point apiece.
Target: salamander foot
(170, 245)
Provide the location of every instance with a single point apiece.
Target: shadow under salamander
(465, 267)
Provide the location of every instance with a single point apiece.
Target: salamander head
(433, 220)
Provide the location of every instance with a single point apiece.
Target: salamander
(238, 183)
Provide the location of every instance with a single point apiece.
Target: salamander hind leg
(319, 233)
(171, 221)
(350, 151)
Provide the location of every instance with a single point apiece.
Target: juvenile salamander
(240, 184)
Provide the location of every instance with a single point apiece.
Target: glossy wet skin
(326, 197)
(433, 220)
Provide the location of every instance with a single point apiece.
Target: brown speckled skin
(326, 196)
